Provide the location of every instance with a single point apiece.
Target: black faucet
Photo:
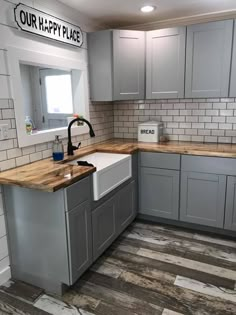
(70, 147)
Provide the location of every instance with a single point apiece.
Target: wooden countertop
(49, 176)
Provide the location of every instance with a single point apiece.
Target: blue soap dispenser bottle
(57, 150)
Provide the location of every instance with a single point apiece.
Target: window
(58, 93)
(57, 101)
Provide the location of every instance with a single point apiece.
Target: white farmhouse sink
(112, 170)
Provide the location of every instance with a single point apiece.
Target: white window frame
(80, 91)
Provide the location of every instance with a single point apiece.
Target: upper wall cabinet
(232, 91)
(117, 62)
(165, 63)
(208, 57)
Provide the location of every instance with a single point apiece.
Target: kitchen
(138, 216)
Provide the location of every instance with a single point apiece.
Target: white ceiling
(120, 13)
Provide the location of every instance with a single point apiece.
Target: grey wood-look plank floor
(150, 269)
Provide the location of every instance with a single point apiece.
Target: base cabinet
(112, 217)
(159, 192)
(104, 227)
(202, 198)
(79, 229)
(230, 209)
(125, 207)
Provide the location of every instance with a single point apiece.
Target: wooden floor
(150, 269)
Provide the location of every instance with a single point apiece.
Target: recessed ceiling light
(147, 8)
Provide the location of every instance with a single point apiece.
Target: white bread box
(150, 131)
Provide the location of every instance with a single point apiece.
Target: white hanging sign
(37, 22)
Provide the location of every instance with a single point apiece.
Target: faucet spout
(70, 147)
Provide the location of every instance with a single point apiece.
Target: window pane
(59, 94)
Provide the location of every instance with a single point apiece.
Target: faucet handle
(79, 145)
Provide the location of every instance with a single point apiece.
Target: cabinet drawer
(160, 160)
(77, 193)
(212, 165)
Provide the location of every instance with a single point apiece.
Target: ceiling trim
(194, 19)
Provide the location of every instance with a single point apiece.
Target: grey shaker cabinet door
(100, 65)
(230, 210)
(208, 57)
(232, 91)
(159, 193)
(128, 64)
(79, 240)
(104, 227)
(126, 206)
(165, 62)
(202, 198)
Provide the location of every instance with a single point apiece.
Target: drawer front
(212, 165)
(160, 160)
(77, 193)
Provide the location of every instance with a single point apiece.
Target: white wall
(10, 154)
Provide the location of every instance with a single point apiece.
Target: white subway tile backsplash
(231, 105)
(218, 119)
(211, 125)
(187, 120)
(197, 125)
(227, 112)
(205, 106)
(22, 160)
(219, 106)
(203, 119)
(7, 164)
(231, 120)
(198, 112)
(8, 113)
(192, 119)
(212, 112)
(225, 126)
(4, 103)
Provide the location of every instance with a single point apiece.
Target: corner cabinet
(116, 65)
(208, 58)
(165, 63)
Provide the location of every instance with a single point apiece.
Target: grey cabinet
(202, 198)
(230, 209)
(165, 63)
(51, 235)
(159, 192)
(126, 206)
(116, 63)
(104, 226)
(79, 231)
(128, 64)
(208, 57)
(232, 91)
(112, 217)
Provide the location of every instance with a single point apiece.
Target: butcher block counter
(51, 176)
